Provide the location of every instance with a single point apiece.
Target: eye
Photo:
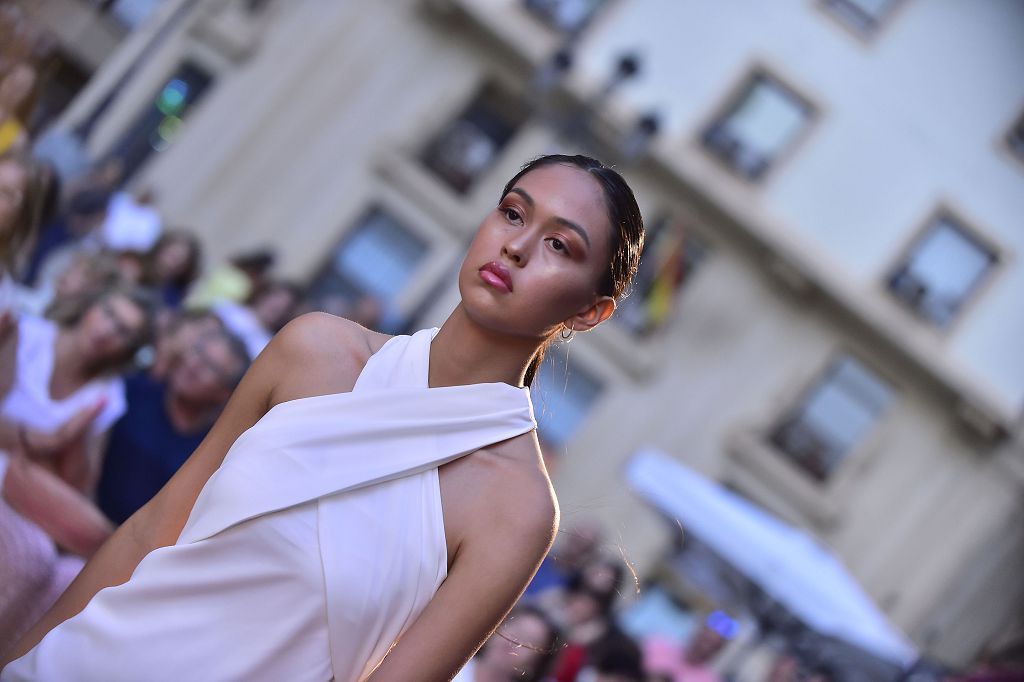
(558, 245)
(512, 215)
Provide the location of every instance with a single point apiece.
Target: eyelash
(512, 215)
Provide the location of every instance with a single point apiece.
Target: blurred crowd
(572, 626)
(115, 356)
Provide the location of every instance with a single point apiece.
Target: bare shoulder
(517, 499)
(319, 353)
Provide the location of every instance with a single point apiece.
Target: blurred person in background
(520, 650)
(268, 310)
(71, 366)
(167, 420)
(58, 398)
(585, 614)
(172, 265)
(694, 663)
(618, 659)
(179, 333)
(235, 280)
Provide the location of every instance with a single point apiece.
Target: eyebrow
(561, 221)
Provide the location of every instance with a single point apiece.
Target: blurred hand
(66, 515)
(43, 446)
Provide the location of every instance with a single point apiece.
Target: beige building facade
(789, 336)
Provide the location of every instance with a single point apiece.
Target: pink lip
(497, 275)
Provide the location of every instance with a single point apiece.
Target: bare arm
(278, 374)
(64, 513)
(490, 572)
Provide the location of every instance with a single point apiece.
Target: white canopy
(787, 563)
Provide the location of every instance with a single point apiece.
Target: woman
(349, 455)
(63, 395)
(70, 366)
(172, 265)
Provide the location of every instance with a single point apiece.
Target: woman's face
(538, 258)
(13, 179)
(110, 327)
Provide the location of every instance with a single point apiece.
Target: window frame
(730, 101)
(772, 478)
(943, 210)
(798, 407)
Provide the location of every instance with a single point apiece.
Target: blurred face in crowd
(518, 646)
(110, 328)
(586, 601)
(13, 181)
(274, 308)
(206, 371)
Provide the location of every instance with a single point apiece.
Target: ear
(599, 311)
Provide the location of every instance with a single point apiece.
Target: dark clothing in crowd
(144, 451)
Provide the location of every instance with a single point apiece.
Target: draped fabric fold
(311, 549)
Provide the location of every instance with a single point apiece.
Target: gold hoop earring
(567, 337)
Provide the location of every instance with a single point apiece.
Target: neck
(465, 353)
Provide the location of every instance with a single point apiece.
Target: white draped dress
(314, 546)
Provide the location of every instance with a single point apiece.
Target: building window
(671, 254)
(469, 145)
(941, 271)
(758, 126)
(863, 16)
(1015, 139)
(832, 418)
(568, 16)
(162, 122)
(563, 396)
(371, 269)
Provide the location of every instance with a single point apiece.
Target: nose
(517, 248)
